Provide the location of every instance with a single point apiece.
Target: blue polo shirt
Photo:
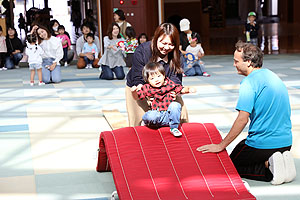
(264, 96)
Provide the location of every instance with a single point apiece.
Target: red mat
(153, 164)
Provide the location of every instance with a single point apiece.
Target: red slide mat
(150, 164)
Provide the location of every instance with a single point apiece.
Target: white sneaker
(175, 132)
(66, 64)
(17, 66)
(114, 196)
(277, 168)
(246, 185)
(31, 84)
(41, 83)
(3, 68)
(290, 169)
(89, 66)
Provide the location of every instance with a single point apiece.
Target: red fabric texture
(153, 164)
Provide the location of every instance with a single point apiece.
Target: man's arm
(237, 127)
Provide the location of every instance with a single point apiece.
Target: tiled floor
(49, 134)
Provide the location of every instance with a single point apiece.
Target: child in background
(142, 38)
(165, 111)
(3, 50)
(66, 43)
(131, 44)
(90, 46)
(34, 53)
(251, 29)
(194, 66)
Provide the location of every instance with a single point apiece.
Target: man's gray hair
(251, 53)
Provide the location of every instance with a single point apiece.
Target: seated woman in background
(112, 60)
(53, 53)
(54, 24)
(14, 49)
(142, 38)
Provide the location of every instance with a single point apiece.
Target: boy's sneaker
(31, 83)
(276, 166)
(17, 66)
(176, 132)
(290, 169)
(41, 83)
(66, 64)
(205, 74)
(3, 68)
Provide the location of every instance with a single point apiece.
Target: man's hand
(211, 148)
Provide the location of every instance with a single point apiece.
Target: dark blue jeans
(87, 61)
(65, 58)
(107, 72)
(13, 60)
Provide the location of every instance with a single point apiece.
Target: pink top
(3, 48)
(63, 38)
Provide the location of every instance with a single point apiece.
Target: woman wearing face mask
(53, 53)
(163, 48)
(54, 32)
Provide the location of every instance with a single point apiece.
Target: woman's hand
(173, 95)
(52, 67)
(34, 28)
(15, 52)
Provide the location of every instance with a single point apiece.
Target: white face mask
(55, 28)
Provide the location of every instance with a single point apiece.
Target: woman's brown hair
(44, 28)
(168, 29)
(110, 29)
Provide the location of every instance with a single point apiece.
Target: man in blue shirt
(264, 155)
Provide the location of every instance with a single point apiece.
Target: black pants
(250, 162)
(2, 59)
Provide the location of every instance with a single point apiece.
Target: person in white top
(85, 29)
(34, 53)
(193, 65)
(120, 19)
(53, 53)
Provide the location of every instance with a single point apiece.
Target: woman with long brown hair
(163, 48)
(53, 53)
(112, 61)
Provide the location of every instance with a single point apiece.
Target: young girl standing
(65, 41)
(3, 50)
(131, 44)
(34, 53)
